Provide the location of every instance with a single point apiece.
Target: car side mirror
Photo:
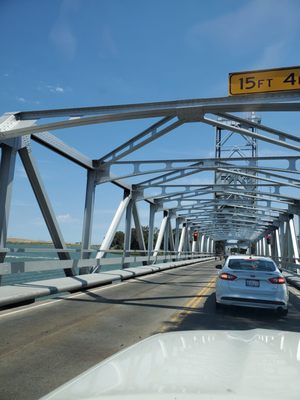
(280, 269)
(219, 266)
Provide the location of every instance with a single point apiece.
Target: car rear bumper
(255, 303)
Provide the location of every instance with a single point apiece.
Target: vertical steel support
(171, 237)
(290, 252)
(187, 245)
(207, 245)
(281, 235)
(138, 227)
(264, 248)
(269, 250)
(128, 223)
(194, 246)
(212, 246)
(278, 247)
(88, 217)
(273, 245)
(105, 245)
(177, 233)
(198, 242)
(202, 243)
(166, 239)
(151, 230)
(182, 240)
(294, 240)
(284, 243)
(161, 233)
(7, 170)
(45, 205)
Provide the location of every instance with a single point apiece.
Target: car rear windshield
(248, 264)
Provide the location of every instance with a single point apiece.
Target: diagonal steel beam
(247, 132)
(53, 143)
(150, 134)
(45, 205)
(252, 124)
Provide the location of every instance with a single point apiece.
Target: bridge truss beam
(252, 199)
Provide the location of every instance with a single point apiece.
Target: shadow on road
(235, 318)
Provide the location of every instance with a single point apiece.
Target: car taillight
(227, 277)
(279, 281)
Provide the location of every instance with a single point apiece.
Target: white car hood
(254, 364)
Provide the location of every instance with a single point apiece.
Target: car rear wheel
(218, 306)
(283, 312)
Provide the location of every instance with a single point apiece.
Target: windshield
(248, 264)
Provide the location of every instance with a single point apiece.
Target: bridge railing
(23, 264)
(289, 264)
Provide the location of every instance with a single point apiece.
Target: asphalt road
(46, 344)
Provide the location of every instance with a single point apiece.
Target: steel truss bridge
(247, 201)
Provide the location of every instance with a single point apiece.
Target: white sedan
(251, 281)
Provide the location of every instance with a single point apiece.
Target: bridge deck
(44, 345)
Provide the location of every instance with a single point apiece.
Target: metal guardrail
(288, 264)
(112, 257)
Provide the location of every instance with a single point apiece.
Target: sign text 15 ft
(272, 80)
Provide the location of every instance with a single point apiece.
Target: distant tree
(118, 241)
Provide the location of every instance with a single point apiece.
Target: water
(35, 252)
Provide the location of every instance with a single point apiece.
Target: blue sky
(69, 53)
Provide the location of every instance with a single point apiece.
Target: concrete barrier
(27, 292)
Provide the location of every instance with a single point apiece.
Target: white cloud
(61, 34)
(271, 55)
(55, 88)
(108, 46)
(65, 219)
(249, 28)
(24, 100)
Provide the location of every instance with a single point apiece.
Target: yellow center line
(191, 304)
(199, 296)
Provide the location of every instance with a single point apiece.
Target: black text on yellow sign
(272, 80)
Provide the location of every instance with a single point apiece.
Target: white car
(193, 365)
(251, 281)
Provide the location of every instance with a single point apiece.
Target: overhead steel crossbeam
(218, 188)
(190, 189)
(225, 212)
(237, 221)
(193, 169)
(188, 110)
(189, 170)
(241, 200)
(265, 210)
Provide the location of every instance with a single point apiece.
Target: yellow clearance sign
(263, 81)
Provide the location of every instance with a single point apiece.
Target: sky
(74, 53)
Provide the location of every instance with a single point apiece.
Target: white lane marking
(93, 290)
(295, 291)
(50, 302)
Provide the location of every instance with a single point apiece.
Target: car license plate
(252, 282)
